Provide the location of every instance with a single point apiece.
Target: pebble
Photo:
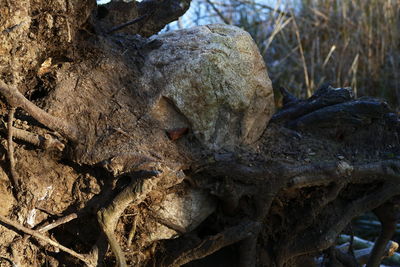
(340, 157)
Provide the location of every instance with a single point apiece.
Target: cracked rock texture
(215, 76)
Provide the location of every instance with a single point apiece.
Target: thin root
(38, 235)
(14, 175)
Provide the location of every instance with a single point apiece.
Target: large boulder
(216, 78)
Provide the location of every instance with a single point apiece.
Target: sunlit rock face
(216, 78)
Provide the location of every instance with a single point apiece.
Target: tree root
(344, 258)
(88, 261)
(214, 243)
(326, 173)
(16, 99)
(133, 194)
(336, 175)
(57, 223)
(160, 14)
(324, 96)
(387, 217)
(14, 175)
(313, 240)
(318, 206)
(46, 141)
(126, 24)
(361, 256)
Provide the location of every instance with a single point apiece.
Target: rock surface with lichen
(216, 77)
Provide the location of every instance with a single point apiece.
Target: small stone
(312, 153)
(340, 157)
(308, 160)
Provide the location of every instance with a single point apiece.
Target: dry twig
(57, 223)
(126, 24)
(40, 236)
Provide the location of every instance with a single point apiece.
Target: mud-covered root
(87, 259)
(16, 99)
(211, 244)
(15, 181)
(132, 195)
(319, 237)
(311, 235)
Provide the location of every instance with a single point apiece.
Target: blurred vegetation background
(306, 43)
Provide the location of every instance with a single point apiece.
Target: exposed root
(326, 173)
(7, 260)
(57, 223)
(248, 251)
(132, 232)
(14, 175)
(214, 243)
(16, 99)
(272, 178)
(318, 206)
(387, 216)
(361, 256)
(133, 194)
(313, 240)
(344, 258)
(47, 141)
(126, 24)
(36, 234)
(324, 96)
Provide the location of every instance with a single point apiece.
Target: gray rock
(215, 76)
(180, 213)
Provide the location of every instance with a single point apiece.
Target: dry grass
(306, 43)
